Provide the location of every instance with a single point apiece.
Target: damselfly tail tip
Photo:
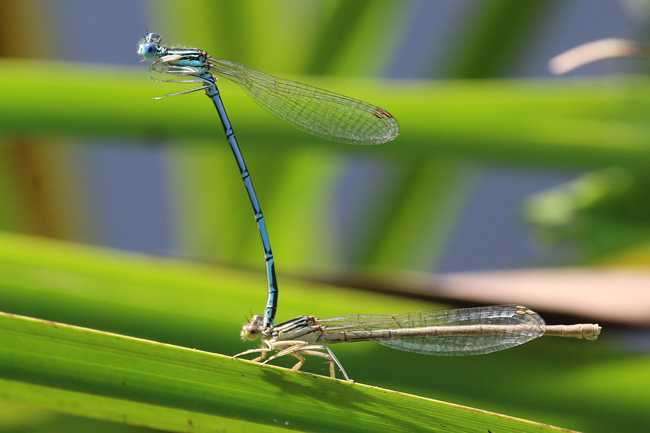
(597, 330)
(591, 331)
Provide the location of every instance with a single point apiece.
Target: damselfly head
(148, 47)
(253, 328)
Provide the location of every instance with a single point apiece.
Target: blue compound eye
(148, 50)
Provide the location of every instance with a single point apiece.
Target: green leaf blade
(140, 382)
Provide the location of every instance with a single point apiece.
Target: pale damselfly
(459, 332)
(318, 112)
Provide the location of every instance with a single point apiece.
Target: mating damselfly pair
(319, 112)
(328, 115)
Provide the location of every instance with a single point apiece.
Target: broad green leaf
(145, 383)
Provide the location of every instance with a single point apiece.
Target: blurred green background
(498, 166)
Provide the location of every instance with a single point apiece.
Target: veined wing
(316, 111)
(465, 331)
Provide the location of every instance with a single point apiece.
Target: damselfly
(460, 332)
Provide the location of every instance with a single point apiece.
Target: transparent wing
(318, 112)
(478, 330)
